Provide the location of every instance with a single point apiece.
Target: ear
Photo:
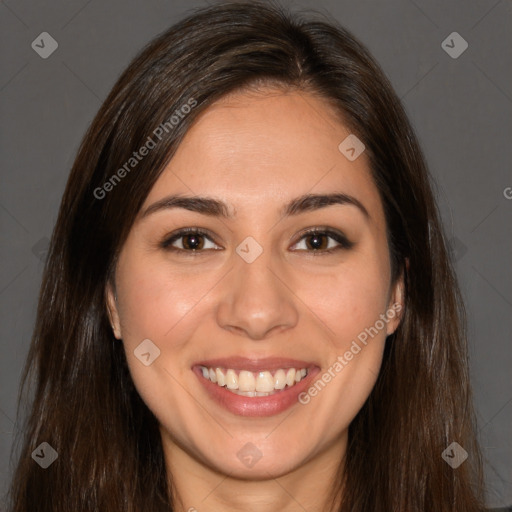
(113, 314)
(396, 304)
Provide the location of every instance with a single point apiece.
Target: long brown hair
(76, 384)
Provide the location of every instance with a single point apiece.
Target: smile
(247, 386)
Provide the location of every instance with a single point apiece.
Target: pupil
(192, 242)
(316, 241)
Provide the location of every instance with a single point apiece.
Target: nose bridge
(255, 300)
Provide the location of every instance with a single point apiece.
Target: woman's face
(253, 298)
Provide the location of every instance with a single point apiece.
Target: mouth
(251, 387)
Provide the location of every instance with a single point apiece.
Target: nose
(256, 299)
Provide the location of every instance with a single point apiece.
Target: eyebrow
(216, 208)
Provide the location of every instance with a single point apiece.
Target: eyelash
(343, 242)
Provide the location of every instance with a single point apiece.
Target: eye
(196, 240)
(321, 240)
(193, 240)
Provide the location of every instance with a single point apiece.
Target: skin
(256, 150)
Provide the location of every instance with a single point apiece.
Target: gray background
(461, 109)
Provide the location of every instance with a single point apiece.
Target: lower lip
(257, 405)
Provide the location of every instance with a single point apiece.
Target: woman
(248, 302)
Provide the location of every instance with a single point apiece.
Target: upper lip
(254, 364)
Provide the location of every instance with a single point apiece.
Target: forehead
(261, 149)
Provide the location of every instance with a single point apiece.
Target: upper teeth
(254, 384)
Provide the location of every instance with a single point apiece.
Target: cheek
(157, 304)
(156, 298)
(349, 300)
(350, 304)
